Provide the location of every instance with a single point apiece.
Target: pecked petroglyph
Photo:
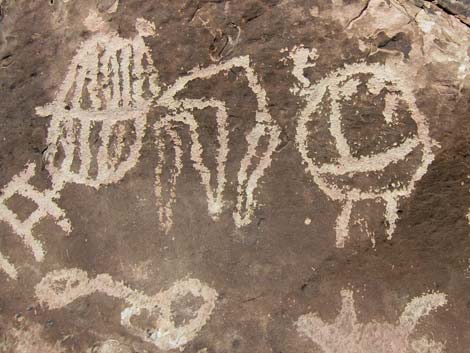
(347, 335)
(99, 114)
(181, 111)
(60, 288)
(338, 177)
(45, 206)
(99, 120)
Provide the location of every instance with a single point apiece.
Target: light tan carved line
(6, 266)
(85, 152)
(60, 288)
(342, 223)
(165, 212)
(351, 164)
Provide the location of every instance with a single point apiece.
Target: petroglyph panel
(60, 288)
(343, 171)
(347, 335)
(288, 149)
(253, 164)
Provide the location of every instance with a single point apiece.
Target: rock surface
(217, 176)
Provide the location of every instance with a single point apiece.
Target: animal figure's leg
(248, 183)
(214, 197)
(165, 213)
(342, 223)
(391, 213)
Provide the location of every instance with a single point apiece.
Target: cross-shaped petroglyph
(100, 112)
(44, 206)
(347, 335)
(342, 177)
(253, 164)
(60, 288)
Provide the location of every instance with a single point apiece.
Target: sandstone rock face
(217, 176)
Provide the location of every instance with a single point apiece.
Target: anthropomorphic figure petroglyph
(347, 335)
(340, 177)
(46, 206)
(100, 112)
(253, 164)
(59, 288)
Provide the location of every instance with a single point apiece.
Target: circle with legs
(350, 175)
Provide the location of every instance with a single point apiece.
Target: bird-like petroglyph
(253, 164)
(346, 175)
(45, 206)
(347, 335)
(99, 114)
(60, 288)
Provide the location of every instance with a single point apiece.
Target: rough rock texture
(217, 176)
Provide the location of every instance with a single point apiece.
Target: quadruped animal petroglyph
(347, 335)
(342, 177)
(99, 119)
(45, 206)
(60, 288)
(253, 164)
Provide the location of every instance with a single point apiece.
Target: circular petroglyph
(99, 114)
(391, 162)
